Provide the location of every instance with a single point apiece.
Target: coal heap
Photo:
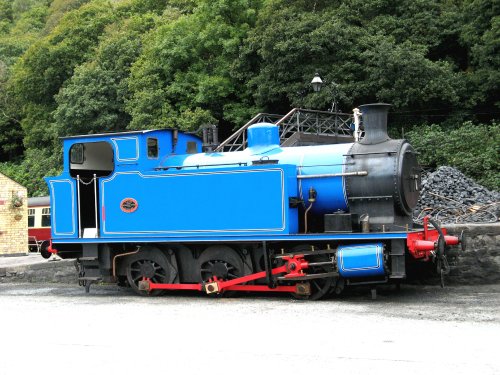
(450, 197)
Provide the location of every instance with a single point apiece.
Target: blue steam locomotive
(150, 210)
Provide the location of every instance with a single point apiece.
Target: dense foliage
(474, 149)
(87, 66)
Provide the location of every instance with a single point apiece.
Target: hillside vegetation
(89, 66)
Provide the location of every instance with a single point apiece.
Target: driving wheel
(222, 262)
(149, 263)
(319, 287)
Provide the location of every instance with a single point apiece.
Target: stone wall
(480, 263)
(62, 271)
(13, 220)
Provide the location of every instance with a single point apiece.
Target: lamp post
(317, 83)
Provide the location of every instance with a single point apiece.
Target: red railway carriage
(39, 224)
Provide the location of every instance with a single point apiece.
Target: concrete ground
(57, 328)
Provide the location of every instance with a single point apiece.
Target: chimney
(375, 123)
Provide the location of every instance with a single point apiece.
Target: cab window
(87, 159)
(152, 148)
(76, 153)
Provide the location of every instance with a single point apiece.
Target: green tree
(23, 31)
(473, 149)
(374, 51)
(183, 77)
(6, 14)
(11, 135)
(30, 171)
(93, 99)
(47, 64)
(480, 33)
(22, 6)
(57, 10)
(43, 69)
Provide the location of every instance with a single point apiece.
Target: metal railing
(297, 121)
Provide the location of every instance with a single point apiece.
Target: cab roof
(113, 134)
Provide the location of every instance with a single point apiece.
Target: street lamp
(317, 82)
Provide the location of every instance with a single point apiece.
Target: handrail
(289, 114)
(237, 140)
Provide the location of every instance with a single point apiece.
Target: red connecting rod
(294, 267)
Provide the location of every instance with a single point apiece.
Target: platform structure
(299, 127)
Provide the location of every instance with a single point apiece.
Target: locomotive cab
(76, 195)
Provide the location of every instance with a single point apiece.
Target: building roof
(39, 201)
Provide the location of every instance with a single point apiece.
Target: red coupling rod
(294, 267)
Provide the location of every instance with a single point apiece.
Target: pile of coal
(450, 197)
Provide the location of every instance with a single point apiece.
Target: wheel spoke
(316, 284)
(152, 265)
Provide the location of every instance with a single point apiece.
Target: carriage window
(76, 153)
(31, 217)
(152, 148)
(46, 217)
